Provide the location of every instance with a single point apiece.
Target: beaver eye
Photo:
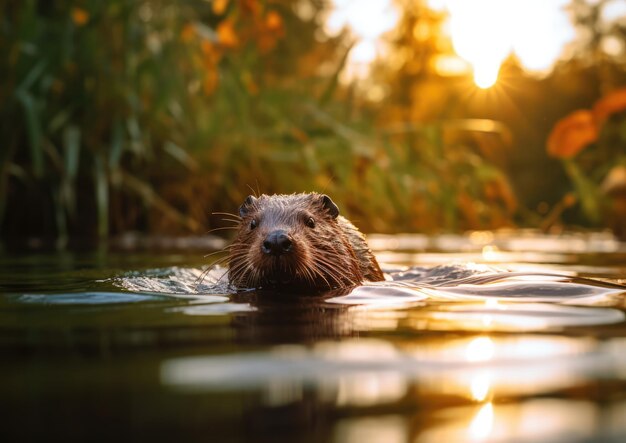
(310, 222)
(253, 224)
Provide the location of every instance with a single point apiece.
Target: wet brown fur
(327, 252)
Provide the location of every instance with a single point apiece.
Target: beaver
(298, 242)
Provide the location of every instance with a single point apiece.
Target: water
(510, 338)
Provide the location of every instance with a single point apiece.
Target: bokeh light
(486, 32)
(366, 22)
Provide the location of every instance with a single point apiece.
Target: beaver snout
(277, 243)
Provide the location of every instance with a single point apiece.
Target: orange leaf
(273, 21)
(79, 16)
(219, 6)
(187, 33)
(211, 52)
(226, 34)
(572, 134)
(209, 85)
(250, 6)
(610, 104)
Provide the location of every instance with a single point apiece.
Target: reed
(149, 115)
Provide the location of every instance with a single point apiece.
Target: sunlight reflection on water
(535, 420)
(466, 297)
(448, 352)
(372, 371)
(505, 359)
(531, 420)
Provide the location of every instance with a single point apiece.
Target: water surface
(508, 337)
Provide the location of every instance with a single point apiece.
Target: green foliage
(87, 95)
(150, 115)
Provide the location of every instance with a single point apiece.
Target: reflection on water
(480, 349)
(365, 373)
(371, 371)
(510, 317)
(521, 346)
(531, 421)
(540, 420)
(391, 429)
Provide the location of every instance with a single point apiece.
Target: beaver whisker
(239, 271)
(217, 262)
(226, 249)
(340, 274)
(302, 274)
(223, 228)
(247, 270)
(337, 277)
(204, 273)
(330, 266)
(230, 214)
(200, 279)
(310, 274)
(325, 272)
(254, 278)
(316, 272)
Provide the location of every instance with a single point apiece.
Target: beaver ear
(330, 206)
(245, 208)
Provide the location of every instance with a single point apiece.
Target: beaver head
(292, 242)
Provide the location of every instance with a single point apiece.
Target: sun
(486, 32)
(481, 36)
(483, 32)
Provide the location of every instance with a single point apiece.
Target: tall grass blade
(71, 154)
(180, 155)
(117, 144)
(334, 79)
(33, 129)
(60, 219)
(152, 199)
(101, 188)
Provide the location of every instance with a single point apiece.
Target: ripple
(84, 298)
(176, 280)
(213, 309)
(512, 317)
(539, 290)
(470, 283)
(380, 294)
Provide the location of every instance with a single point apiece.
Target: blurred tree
(144, 115)
(600, 43)
(148, 115)
(451, 165)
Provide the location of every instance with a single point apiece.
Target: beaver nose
(276, 243)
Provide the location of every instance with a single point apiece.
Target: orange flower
(273, 21)
(211, 53)
(79, 16)
(209, 84)
(572, 134)
(219, 6)
(250, 6)
(610, 104)
(269, 31)
(226, 34)
(187, 33)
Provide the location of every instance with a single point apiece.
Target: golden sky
(484, 32)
